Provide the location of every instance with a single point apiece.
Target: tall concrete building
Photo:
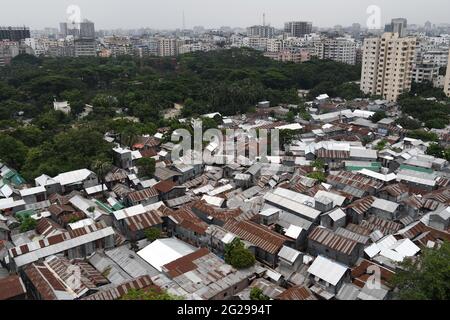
(85, 48)
(397, 25)
(261, 31)
(387, 65)
(298, 28)
(167, 47)
(337, 49)
(447, 79)
(14, 33)
(87, 30)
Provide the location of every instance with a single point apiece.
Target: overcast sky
(160, 14)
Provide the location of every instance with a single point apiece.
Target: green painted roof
(104, 206)
(14, 178)
(25, 213)
(118, 206)
(374, 166)
(418, 169)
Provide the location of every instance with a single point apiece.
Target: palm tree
(101, 168)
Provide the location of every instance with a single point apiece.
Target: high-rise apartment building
(85, 48)
(261, 31)
(337, 49)
(447, 79)
(397, 25)
(298, 28)
(87, 30)
(14, 33)
(387, 65)
(167, 47)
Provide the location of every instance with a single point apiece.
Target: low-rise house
(322, 241)
(385, 209)
(333, 219)
(213, 215)
(185, 225)
(296, 293)
(55, 278)
(266, 243)
(34, 195)
(328, 277)
(289, 261)
(4, 230)
(143, 197)
(134, 227)
(65, 214)
(163, 251)
(169, 190)
(77, 243)
(9, 206)
(204, 276)
(76, 180)
(12, 288)
(394, 192)
(120, 290)
(163, 174)
(440, 219)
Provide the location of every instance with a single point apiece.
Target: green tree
(101, 167)
(152, 234)
(381, 145)
(257, 294)
(146, 167)
(318, 175)
(12, 151)
(435, 150)
(149, 294)
(238, 256)
(426, 277)
(27, 224)
(377, 116)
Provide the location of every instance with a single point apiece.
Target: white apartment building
(437, 57)
(447, 79)
(425, 72)
(274, 45)
(387, 65)
(338, 49)
(167, 47)
(256, 43)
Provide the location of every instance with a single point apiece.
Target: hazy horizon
(133, 14)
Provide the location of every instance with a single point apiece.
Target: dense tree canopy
(38, 140)
(238, 256)
(426, 277)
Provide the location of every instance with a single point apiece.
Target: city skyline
(113, 14)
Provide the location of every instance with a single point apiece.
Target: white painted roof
(81, 223)
(31, 191)
(215, 201)
(291, 126)
(337, 214)
(379, 176)
(129, 212)
(385, 205)
(289, 254)
(73, 176)
(327, 270)
(96, 189)
(164, 251)
(10, 203)
(293, 231)
(338, 200)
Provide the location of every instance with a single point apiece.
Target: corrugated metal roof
(257, 235)
(327, 270)
(333, 241)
